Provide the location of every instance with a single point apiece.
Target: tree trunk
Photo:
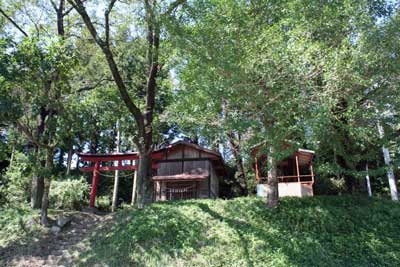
(348, 179)
(69, 161)
(389, 165)
(272, 181)
(37, 183)
(144, 189)
(60, 18)
(236, 150)
(37, 179)
(61, 158)
(47, 180)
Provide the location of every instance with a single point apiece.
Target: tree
(153, 16)
(37, 80)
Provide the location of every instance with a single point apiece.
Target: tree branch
(107, 21)
(54, 5)
(172, 6)
(137, 114)
(28, 134)
(13, 23)
(94, 86)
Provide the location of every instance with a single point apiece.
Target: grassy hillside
(318, 231)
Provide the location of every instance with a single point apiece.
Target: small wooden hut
(295, 173)
(187, 171)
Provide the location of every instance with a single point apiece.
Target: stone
(63, 221)
(55, 229)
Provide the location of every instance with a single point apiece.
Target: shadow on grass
(144, 237)
(327, 231)
(42, 245)
(319, 231)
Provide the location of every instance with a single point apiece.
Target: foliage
(318, 231)
(103, 202)
(13, 224)
(291, 71)
(70, 193)
(15, 184)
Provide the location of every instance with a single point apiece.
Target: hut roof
(214, 156)
(305, 156)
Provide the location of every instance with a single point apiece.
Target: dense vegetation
(319, 231)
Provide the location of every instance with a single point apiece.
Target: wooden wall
(171, 165)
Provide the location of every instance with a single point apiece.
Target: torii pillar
(95, 181)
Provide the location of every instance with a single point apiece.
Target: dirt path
(55, 249)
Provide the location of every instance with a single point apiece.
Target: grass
(13, 225)
(318, 231)
(19, 225)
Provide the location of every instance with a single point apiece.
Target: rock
(89, 210)
(63, 221)
(55, 229)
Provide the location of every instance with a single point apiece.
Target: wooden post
(116, 175)
(312, 172)
(134, 185)
(297, 168)
(115, 191)
(368, 181)
(257, 172)
(95, 181)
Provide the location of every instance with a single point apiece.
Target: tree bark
(236, 152)
(37, 183)
(47, 180)
(60, 19)
(37, 179)
(69, 161)
(388, 162)
(143, 189)
(272, 181)
(61, 158)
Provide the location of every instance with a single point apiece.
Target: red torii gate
(97, 168)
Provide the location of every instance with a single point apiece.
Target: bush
(329, 186)
(104, 202)
(16, 226)
(15, 185)
(69, 194)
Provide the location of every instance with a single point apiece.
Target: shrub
(70, 194)
(15, 185)
(329, 186)
(15, 224)
(103, 202)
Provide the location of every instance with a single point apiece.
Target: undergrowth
(318, 231)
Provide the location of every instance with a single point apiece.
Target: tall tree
(38, 82)
(154, 13)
